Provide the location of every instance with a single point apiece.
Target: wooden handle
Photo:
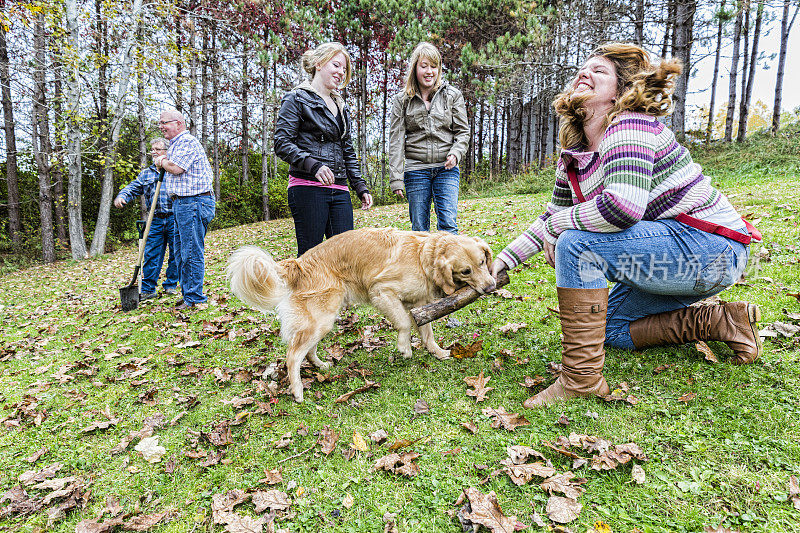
(448, 304)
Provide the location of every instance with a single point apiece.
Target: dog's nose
(490, 287)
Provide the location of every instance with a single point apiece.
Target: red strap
(710, 227)
(573, 179)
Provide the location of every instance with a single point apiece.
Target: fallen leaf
(470, 426)
(378, 436)
(509, 421)
(512, 327)
(524, 473)
(704, 349)
(32, 476)
(688, 397)
(637, 473)
(421, 407)
(794, 492)
(564, 484)
(358, 442)
(327, 439)
(150, 450)
(143, 522)
(399, 464)
(484, 510)
(480, 389)
(562, 510)
(35, 457)
(460, 351)
(534, 381)
(272, 477)
(275, 500)
(367, 386)
(348, 501)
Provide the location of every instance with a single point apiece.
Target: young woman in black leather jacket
(313, 135)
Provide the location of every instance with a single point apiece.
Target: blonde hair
(642, 87)
(424, 50)
(324, 53)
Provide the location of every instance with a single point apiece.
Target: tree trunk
(669, 24)
(141, 120)
(684, 22)
(745, 60)
(737, 30)
(117, 113)
(744, 109)
(40, 141)
(245, 146)
(77, 240)
(204, 90)
(265, 148)
(710, 126)
(57, 165)
(494, 150)
(192, 81)
(481, 122)
(639, 22)
(786, 25)
(15, 226)
(178, 66)
(215, 108)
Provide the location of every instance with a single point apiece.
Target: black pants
(319, 212)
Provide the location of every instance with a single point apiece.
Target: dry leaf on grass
(150, 450)
(399, 464)
(272, 477)
(512, 327)
(275, 500)
(534, 381)
(704, 349)
(421, 407)
(509, 421)
(327, 439)
(378, 436)
(564, 484)
(524, 473)
(32, 476)
(563, 510)
(688, 397)
(359, 443)
(484, 510)
(794, 491)
(470, 426)
(520, 454)
(227, 501)
(143, 522)
(460, 351)
(235, 523)
(367, 386)
(637, 473)
(479, 384)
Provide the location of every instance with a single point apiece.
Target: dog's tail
(256, 278)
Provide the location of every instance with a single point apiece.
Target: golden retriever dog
(391, 269)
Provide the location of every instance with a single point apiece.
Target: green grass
(723, 458)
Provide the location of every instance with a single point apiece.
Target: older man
(189, 183)
(162, 229)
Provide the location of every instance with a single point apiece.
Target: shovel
(129, 295)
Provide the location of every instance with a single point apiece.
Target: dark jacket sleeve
(134, 188)
(286, 128)
(357, 183)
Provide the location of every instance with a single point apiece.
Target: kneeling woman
(630, 206)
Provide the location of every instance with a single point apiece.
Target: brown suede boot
(734, 323)
(583, 324)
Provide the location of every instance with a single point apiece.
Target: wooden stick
(444, 306)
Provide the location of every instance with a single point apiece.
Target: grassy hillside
(83, 385)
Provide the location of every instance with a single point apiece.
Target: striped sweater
(639, 173)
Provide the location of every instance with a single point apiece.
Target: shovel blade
(130, 297)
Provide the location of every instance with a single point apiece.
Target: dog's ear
(443, 274)
(486, 250)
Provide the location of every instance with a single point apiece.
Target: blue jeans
(657, 266)
(192, 216)
(435, 184)
(161, 237)
(319, 212)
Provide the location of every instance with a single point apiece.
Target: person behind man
(189, 183)
(162, 229)
(428, 132)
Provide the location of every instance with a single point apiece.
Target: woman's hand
(450, 162)
(549, 251)
(325, 175)
(366, 201)
(498, 265)
(399, 193)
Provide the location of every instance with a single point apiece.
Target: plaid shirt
(187, 152)
(145, 183)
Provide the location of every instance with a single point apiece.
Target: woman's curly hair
(642, 87)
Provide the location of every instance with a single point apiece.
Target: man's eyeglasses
(165, 122)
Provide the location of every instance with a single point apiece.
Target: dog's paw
(325, 365)
(441, 354)
(298, 394)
